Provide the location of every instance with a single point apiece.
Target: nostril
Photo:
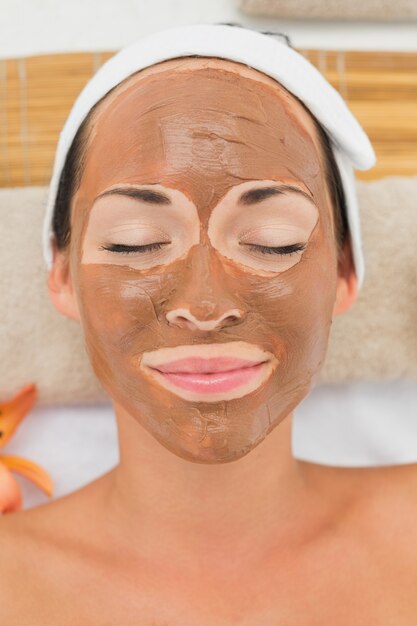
(184, 322)
(178, 320)
(234, 316)
(231, 318)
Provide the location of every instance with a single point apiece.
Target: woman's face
(216, 240)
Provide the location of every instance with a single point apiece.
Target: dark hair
(335, 186)
(74, 164)
(68, 184)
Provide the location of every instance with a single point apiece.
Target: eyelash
(280, 250)
(122, 249)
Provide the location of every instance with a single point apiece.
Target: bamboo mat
(37, 92)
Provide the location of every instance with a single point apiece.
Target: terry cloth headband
(350, 144)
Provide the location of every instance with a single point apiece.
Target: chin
(210, 450)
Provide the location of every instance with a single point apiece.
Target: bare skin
(263, 540)
(348, 557)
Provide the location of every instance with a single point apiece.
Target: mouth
(208, 376)
(210, 372)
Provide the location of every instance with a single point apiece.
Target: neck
(160, 501)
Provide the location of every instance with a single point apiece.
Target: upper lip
(204, 366)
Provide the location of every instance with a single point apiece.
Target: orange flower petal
(10, 495)
(29, 470)
(13, 411)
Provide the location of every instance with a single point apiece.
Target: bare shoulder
(49, 530)
(388, 523)
(9, 540)
(43, 550)
(15, 541)
(16, 561)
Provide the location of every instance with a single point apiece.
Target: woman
(199, 239)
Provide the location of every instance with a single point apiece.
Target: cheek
(118, 313)
(294, 307)
(295, 310)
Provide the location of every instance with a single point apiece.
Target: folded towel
(375, 340)
(333, 9)
(37, 344)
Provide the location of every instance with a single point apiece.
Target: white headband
(350, 144)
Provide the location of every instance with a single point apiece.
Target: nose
(204, 301)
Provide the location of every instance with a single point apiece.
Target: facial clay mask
(203, 255)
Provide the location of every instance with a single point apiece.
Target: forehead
(189, 66)
(201, 125)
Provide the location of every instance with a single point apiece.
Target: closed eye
(279, 250)
(124, 249)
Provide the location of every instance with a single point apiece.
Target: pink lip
(205, 376)
(199, 365)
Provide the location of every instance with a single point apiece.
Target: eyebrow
(145, 195)
(257, 195)
(252, 196)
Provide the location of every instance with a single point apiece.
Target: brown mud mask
(195, 170)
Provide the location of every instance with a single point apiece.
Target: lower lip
(215, 382)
